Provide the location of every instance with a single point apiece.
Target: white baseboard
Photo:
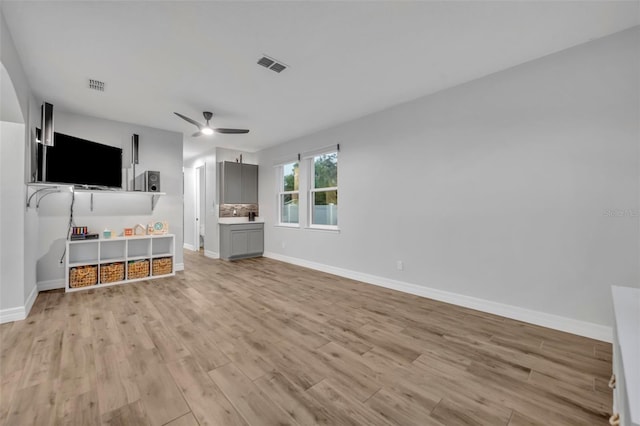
(50, 285)
(31, 300)
(179, 267)
(211, 254)
(569, 325)
(12, 314)
(19, 313)
(189, 247)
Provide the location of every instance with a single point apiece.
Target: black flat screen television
(78, 161)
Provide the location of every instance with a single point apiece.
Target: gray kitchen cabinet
(238, 241)
(230, 183)
(249, 184)
(238, 183)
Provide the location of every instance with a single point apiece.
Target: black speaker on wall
(135, 146)
(46, 124)
(153, 181)
(148, 181)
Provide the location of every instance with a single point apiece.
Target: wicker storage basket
(83, 276)
(162, 266)
(138, 269)
(111, 272)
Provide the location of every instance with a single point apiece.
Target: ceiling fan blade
(196, 134)
(231, 131)
(194, 122)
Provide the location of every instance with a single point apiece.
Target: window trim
(280, 193)
(312, 188)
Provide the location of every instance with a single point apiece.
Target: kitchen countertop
(238, 220)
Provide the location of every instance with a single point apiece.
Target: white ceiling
(346, 59)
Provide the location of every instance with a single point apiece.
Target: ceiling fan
(206, 129)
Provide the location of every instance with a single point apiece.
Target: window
(289, 193)
(323, 193)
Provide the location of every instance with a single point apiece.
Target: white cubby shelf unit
(128, 251)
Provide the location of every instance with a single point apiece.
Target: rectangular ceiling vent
(96, 85)
(272, 64)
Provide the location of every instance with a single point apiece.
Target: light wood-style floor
(260, 342)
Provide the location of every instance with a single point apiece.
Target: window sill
(331, 229)
(287, 225)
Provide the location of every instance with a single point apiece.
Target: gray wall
(159, 150)
(508, 188)
(11, 216)
(17, 266)
(189, 208)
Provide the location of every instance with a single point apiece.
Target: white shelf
(155, 256)
(83, 263)
(118, 250)
(112, 260)
(137, 258)
(41, 190)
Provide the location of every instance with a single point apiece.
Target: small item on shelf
(162, 266)
(138, 269)
(83, 276)
(106, 233)
(79, 230)
(158, 228)
(128, 232)
(92, 236)
(139, 229)
(78, 233)
(111, 272)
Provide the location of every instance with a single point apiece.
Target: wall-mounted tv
(78, 161)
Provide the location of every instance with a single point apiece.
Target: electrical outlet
(400, 265)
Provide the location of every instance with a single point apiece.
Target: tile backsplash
(242, 210)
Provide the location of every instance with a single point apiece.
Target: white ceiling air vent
(272, 64)
(96, 85)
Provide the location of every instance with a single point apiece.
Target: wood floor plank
(207, 402)
(159, 392)
(247, 357)
(253, 404)
(166, 340)
(358, 414)
(9, 385)
(78, 409)
(293, 400)
(43, 364)
(115, 382)
(260, 342)
(34, 405)
(402, 409)
(77, 366)
(462, 411)
(127, 415)
(349, 373)
(186, 420)
(201, 346)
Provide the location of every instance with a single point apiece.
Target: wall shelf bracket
(39, 192)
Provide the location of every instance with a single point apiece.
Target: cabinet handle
(615, 419)
(612, 381)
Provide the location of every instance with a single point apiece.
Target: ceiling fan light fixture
(207, 131)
